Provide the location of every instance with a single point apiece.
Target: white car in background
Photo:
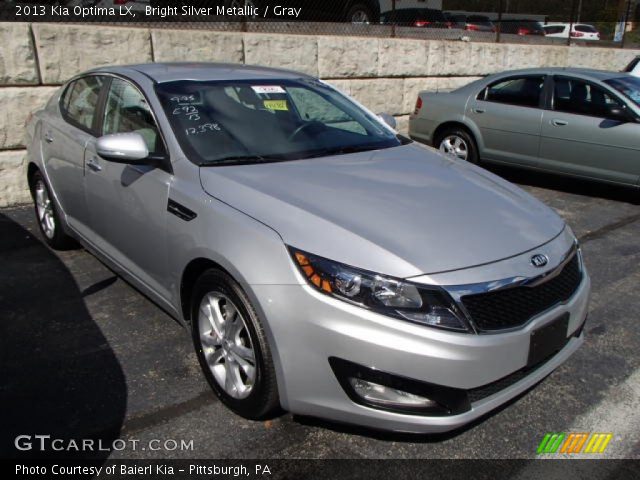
(579, 31)
(634, 67)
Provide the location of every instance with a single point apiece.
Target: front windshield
(223, 122)
(627, 86)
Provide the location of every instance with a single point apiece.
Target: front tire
(458, 143)
(47, 215)
(232, 347)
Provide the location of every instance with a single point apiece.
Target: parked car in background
(634, 67)
(479, 23)
(521, 27)
(470, 22)
(416, 17)
(583, 123)
(455, 20)
(321, 262)
(580, 31)
(354, 11)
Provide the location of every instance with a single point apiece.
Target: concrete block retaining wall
(384, 74)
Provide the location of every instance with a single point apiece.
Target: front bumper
(309, 328)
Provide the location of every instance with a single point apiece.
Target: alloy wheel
(455, 146)
(44, 208)
(226, 345)
(360, 16)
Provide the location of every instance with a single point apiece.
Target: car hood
(402, 211)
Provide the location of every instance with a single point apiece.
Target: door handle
(48, 138)
(559, 123)
(91, 163)
(479, 110)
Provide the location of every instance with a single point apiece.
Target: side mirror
(388, 119)
(127, 148)
(620, 114)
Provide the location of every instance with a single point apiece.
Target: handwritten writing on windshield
(186, 105)
(203, 128)
(191, 112)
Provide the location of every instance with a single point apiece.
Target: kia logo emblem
(539, 260)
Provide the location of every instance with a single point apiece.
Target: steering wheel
(304, 127)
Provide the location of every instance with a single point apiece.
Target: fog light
(387, 396)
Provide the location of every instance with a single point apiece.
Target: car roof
(202, 71)
(578, 72)
(565, 24)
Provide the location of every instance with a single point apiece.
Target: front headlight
(390, 296)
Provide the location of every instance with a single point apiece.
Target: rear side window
(581, 98)
(80, 101)
(554, 30)
(521, 91)
(479, 20)
(585, 29)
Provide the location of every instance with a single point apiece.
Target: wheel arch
(190, 275)
(474, 132)
(32, 168)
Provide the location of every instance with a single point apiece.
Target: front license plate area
(548, 340)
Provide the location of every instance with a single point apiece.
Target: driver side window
(581, 98)
(127, 111)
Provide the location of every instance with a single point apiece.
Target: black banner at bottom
(326, 469)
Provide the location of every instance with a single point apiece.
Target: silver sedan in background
(583, 123)
(321, 262)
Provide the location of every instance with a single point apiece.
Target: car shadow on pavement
(576, 186)
(60, 377)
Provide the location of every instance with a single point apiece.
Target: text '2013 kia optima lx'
(324, 263)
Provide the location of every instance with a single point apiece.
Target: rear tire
(457, 142)
(47, 215)
(232, 347)
(360, 13)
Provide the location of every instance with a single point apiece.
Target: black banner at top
(429, 12)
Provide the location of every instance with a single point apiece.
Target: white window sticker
(266, 89)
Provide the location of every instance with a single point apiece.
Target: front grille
(515, 306)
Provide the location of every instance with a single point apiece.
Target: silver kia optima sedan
(323, 263)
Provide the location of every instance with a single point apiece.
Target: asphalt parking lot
(87, 356)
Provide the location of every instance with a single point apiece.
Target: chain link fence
(551, 22)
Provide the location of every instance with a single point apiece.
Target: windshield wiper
(342, 150)
(250, 159)
(242, 160)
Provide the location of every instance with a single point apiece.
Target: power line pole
(627, 14)
(499, 26)
(573, 12)
(579, 11)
